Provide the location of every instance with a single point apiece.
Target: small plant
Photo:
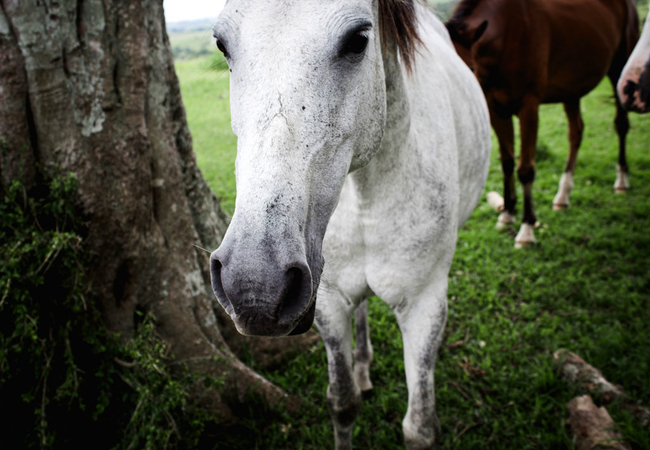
(165, 412)
(40, 281)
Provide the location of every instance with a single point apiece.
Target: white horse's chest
(388, 240)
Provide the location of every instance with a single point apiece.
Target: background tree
(88, 87)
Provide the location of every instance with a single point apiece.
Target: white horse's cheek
(371, 112)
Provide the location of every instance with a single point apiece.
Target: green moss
(63, 378)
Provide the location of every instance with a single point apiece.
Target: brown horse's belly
(561, 89)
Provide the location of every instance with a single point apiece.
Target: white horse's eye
(222, 48)
(356, 44)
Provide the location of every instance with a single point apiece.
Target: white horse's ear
(479, 31)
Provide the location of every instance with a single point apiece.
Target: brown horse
(528, 52)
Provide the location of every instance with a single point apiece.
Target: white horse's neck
(398, 117)
(392, 154)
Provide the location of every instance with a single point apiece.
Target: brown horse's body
(528, 52)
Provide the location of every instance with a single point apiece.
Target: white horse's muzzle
(263, 295)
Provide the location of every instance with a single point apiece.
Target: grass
(191, 44)
(585, 287)
(642, 9)
(206, 97)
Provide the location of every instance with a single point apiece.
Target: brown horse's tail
(628, 41)
(631, 28)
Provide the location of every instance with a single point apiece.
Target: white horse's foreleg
(363, 353)
(422, 323)
(334, 321)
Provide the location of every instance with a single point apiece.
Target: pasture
(585, 287)
(191, 44)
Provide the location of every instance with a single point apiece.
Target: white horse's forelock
(353, 176)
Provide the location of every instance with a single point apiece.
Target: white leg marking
(422, 325)
(561, 200)
(505, 218)
(526, 236)
(495, 200)
(363, 353)
(622, 184)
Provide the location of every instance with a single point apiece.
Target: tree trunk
(88, 87)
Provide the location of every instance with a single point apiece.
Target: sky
(177, 10)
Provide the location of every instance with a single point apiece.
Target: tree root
(592, 427)
(591, 380)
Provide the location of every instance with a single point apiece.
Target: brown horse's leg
(505, 133)
(528, 122)
(622, 127)
(576, 126)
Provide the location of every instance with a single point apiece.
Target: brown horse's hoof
(525, 237)
(524, 244)
(621, 184)
(504, 219)
(561, 200)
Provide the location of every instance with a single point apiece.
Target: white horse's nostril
(297, 294)
(217, 286)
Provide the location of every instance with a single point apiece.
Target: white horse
(363, 145)
(634, 83)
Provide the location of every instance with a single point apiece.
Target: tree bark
(89, 87)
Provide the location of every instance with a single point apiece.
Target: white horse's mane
(398, 23)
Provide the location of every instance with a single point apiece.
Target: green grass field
(192, 44)
(585, 287)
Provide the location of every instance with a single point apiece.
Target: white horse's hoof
(362, 378)
(525, 237)
(561, 200)
(505, 218)
(622, 184)
(495, 200)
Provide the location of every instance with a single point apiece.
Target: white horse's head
(308, 104)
